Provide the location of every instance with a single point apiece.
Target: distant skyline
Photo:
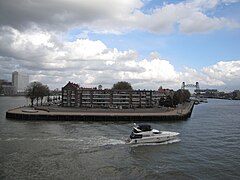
(149, 43)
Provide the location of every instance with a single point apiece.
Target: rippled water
(208, 147)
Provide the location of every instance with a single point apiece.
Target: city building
(6, 88)
(75, 96)
(20, 81)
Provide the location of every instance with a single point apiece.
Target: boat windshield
(144, 127)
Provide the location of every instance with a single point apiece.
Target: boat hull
(164, 136)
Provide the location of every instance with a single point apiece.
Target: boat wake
(102, 141)
(88, 141)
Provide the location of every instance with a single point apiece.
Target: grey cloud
(20, 14)
(108, 16)
(61, 14)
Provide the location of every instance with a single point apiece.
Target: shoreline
(82, 114)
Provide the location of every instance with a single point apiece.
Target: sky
(148, 43)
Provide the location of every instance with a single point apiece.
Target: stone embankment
(182, 112)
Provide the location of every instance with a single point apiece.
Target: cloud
(40, 54)
(230, 1)
(189, 17)
(90, 63)
(228, 71)
(123, 16)
(190, 76)
(61, 14)
(199, 22)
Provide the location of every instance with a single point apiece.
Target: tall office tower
(20, 82)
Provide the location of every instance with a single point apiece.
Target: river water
(208, 147)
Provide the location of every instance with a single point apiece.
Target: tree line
(180, 96)
(36, 91)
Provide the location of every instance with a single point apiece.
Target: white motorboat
(145, 134)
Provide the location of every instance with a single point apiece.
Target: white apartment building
(20, 81)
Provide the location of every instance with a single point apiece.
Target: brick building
(75, 96)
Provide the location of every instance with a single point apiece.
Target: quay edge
(18, 114)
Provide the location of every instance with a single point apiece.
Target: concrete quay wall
(23, 113)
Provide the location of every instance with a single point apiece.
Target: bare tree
(36, 90)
